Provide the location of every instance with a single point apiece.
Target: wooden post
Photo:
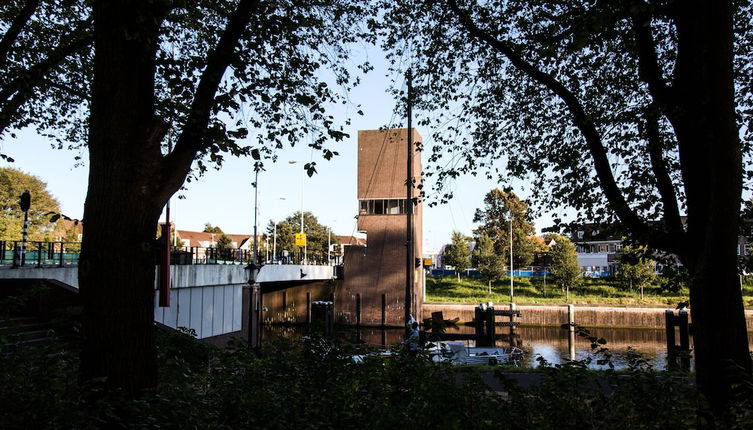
(308, 307)
(384, 311)
(513, 335)
(478, 323)
(358, 310)
(571, 317)
(490, 327)
(669, 326)
(322, 316)
(682, 320)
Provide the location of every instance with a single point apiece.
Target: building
(374, 285)
(598, 249)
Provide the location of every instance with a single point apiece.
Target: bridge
(207, 297)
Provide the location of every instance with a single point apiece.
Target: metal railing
(39, 254)
(199, 255)
(59, 254)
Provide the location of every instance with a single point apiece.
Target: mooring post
(490, 326)
(358, 310)
(682, 319)
(384, 311)
(478, 322)
(513, 334)
(308, 307)
(669, 326)
(571, 317)
(322, 316)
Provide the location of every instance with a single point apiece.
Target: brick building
(373, 289)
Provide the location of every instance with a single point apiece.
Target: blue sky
(225, 197)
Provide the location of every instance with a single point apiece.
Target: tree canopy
(317, 235)
(45, 68)
(458, 253)
(499, 206)
(635, 111)
(13, 182)
(209, 228)
(159, 91)
(489, 263)
(564, 268)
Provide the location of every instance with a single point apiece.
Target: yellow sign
(427, 262)
(300, 239)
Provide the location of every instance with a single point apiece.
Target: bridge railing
(59, 254)
(200, 255)
(39, 253)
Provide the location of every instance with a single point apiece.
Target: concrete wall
(588, 316)
(205, 298)
(293, 304)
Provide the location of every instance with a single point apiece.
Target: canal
(551, 343)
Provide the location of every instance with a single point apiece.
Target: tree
(13, 182)
(564, 91)
(224, 245)
(317, 235)
(564, 267)
(636, 268)
(495, 223)
(209, 228)
(45, 67)
(458, 253)
(489, 263)
(201, 76)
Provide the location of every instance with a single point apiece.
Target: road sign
(300, 239)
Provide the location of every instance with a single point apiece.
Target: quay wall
(588, 316)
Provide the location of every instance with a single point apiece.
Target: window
(382, 207)
(580, 235)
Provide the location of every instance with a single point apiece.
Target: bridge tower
(373, 289)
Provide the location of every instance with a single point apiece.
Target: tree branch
(648, 63)
(593, 140)
(664, 184)
(20, 89)
(15, 29)
(177, 164)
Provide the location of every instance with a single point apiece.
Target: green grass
(533, 291)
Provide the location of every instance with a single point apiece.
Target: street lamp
(305, 247)
(512, 294)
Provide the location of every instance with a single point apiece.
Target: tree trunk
(122, 206)
(710, 156)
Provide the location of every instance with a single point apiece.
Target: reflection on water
(551, 343)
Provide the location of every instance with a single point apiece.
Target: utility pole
(409, 212)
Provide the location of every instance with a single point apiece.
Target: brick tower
(373, 289)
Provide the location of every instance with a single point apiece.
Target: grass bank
(536, 291)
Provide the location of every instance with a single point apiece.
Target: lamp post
(256, 212)
(512, 293)
(24, 201)
(305, 247)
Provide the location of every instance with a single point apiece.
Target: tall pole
(512, 295)
(329, 245)
(256, 212)
(274, 244)
(409, 211)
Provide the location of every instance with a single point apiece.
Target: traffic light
(25, 201)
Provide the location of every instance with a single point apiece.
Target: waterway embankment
(554, 315)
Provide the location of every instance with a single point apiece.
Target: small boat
(459, 353)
